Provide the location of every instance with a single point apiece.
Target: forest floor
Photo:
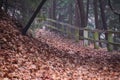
(62, 42)
(26, 58)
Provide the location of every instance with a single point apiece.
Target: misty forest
(59, 39)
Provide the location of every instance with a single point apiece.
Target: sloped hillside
(25, 58)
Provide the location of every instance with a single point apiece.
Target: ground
(51, 58)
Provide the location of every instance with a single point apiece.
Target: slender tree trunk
(6, 5)
(70, 12)
(1, 3)
(33, 17)
(77, 16)
(87, 11)
(70, 17)
(82, 15)
(95, 3)
(13, 12)
(53, 9)
(96, 13)
(102, 9)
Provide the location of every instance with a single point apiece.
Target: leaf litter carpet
(26, 58)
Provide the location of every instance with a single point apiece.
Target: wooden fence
(110, 42)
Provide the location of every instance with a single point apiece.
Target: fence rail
(110, 42)
(76, 27)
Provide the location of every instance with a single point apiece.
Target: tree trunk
(82, 15)
(70, 12)
(53, 9)
(33, 17)
(6, 5)
(96, 13)
(1, 3)
(77, 16)
(87, 11)
(102, 9)
(95, 3)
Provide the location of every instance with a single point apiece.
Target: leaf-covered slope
(25, 58)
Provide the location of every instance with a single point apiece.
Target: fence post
(110, 39)
(86, 36)
(62, 29)
(96, 37)
(68, 31)
(76, 34)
